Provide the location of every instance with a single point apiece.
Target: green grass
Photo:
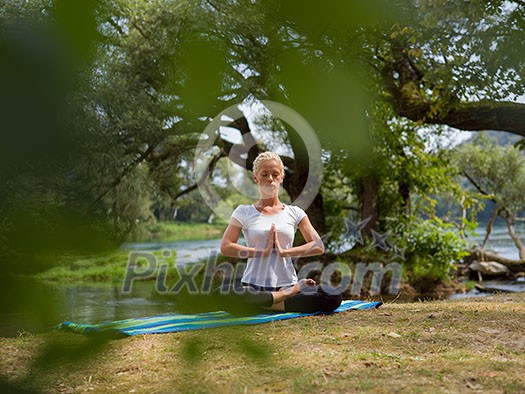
(443, 346)
(178, 231)
(110, 268)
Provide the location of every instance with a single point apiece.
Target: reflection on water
(87, 303)
(503, 286)
(96, 303)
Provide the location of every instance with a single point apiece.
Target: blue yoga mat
(178, 322)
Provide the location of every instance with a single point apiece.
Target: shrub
(431, 249)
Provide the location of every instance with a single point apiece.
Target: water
(84, 303)
(500, 241)
(98, 302)
(187, 251)
(497, 285)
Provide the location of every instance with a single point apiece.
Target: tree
(349, 61)
(498, 173)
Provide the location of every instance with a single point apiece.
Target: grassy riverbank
(440, 346)
(112, 267)
(178, 231)
(106, 269)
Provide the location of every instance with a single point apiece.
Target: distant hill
(501, 137)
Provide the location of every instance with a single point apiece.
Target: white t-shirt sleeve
(299, 215)
(239, 214)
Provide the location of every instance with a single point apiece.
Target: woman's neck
(269, 202)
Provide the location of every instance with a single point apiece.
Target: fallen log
(488, 289)
(477, 254)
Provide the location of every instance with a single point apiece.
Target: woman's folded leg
(314, 299)
(242, 301)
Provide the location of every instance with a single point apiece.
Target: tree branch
(211, 167)
(119, 177)
(403, 82)
(477, 186)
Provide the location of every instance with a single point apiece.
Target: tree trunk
(489, 226)
(510, 225)
(404, 192)
(316, 215)
(370, 203)
(463, 219)
(295, 180)
(294, 183)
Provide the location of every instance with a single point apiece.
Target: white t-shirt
(272, 270)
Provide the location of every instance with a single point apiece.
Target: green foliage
(339, 198)
(44, 196)
(431, 249)
(149, 74)
(466, 50)
(411, 175)
(110, 268)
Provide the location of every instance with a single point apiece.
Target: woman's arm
(230, 247)
(314, 245)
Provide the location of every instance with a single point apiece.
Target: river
(97, 302)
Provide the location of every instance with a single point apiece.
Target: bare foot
(303, 283)
(298, 287)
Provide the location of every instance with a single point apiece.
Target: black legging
(314, 299)
(242, 300)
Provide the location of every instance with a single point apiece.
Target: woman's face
(269, 176)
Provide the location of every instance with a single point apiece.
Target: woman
(269, 280)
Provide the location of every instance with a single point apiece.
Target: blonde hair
(266, 156)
